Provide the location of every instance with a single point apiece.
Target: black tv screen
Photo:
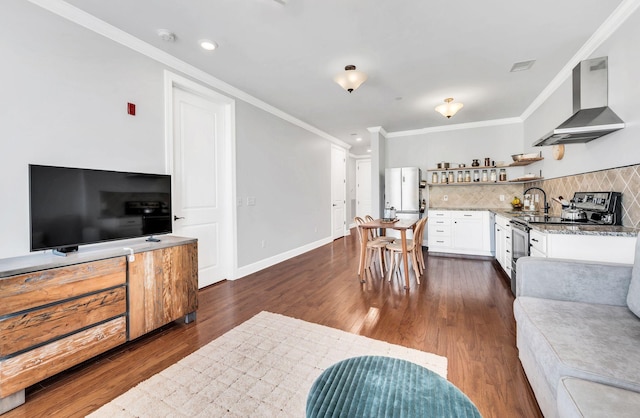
(75, 206)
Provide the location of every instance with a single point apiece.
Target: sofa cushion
(590, 341)
(579, 398)
(633, 297)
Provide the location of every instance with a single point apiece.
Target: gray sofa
(578, 335)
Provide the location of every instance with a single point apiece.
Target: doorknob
(175, 218)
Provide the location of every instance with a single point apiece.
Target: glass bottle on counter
(493, 176)
(467, 176)
(460, 177)
(503, 174)
(451, 179)
(485, 176)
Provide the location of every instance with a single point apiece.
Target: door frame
(345, 230)
(228, 173)
(358, 190)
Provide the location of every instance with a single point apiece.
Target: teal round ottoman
(374, 386)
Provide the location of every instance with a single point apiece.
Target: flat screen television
(75, 206)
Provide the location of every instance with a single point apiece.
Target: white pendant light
(350, 79)
(449, 108)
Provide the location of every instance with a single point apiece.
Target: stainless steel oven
(519, 247)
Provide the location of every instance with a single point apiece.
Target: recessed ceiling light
(208, 45)
(522, 66)
(368, 150)
(166, 35)
(358, 139)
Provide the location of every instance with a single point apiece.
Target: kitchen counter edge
(618, 231)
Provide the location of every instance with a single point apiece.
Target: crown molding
(604, 32)
(86, 20)
(456, 127)
(377, 130)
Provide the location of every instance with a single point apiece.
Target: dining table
(399, 225)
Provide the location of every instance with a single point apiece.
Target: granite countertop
(46, 260)
(573, 229)
(494, 210)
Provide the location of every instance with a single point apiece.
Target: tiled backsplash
(624, 179)
(473, 196)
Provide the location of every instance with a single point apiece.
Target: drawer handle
(441, 242)
(467, 215)
(507, 237)
(508, 251)
(534, 240)
(439, 230)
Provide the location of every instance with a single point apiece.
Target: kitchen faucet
(544, 195)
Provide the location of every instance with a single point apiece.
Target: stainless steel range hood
(592, 117)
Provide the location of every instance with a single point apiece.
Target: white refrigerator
(402, 191)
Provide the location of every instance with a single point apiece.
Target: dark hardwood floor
(462, 310)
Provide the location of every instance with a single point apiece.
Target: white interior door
(199, 189)
(363, 188)
(338, 191)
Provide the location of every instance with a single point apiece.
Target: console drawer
(26, 291)
(26, 369)
(22, 331)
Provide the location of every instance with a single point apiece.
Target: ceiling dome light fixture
(350, 79)
(449, 108)
(207, 44)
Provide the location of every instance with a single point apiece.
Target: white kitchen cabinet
(537, 243)
(601, 248)
(503, 243)
(461, 232)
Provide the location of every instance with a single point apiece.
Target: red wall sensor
(131, 109)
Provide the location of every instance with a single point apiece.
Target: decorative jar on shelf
(434, 177)
(450, 178)
(503, 174)
(493, 176)
(467, 176)
(460, 177)
(485, 176)
(475, 163)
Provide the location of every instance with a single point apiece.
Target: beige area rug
(264, 367)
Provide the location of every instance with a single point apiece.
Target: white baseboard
(268, 262)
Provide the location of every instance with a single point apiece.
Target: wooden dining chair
(414, 250)
(374, 247)
(374, 232)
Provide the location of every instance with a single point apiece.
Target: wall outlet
(445, 198)
(251, 201)
(502, 198)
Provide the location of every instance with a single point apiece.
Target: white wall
(288, 170)
(454, 146)
(616, 149)
(63, 102)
